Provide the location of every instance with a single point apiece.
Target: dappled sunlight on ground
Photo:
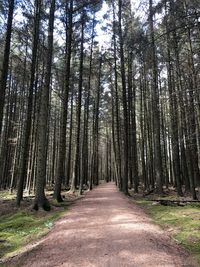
(105, 229)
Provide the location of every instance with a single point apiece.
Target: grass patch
(183, 222)
(20, 228)
(6, 195)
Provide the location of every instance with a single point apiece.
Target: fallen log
(167, 202)
(148, 193)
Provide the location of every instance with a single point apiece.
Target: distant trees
(156, 63)
(42, 99)
(72, 113)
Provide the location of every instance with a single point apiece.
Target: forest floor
(105, 229)
(22, 226)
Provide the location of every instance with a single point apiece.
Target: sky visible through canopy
(103, 37)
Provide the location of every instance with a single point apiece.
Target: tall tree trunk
(69, 163)
(155, 107)
(63, 125)
(4, 74)
(28, 123)
(76, 175)
(96, 129)
(118, 150)
(85, 151)
(132, 120)
(125, 112)
(40, 198)
(174, 118)
(143, 136)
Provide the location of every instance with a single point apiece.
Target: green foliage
(22, 227)
(182, 222)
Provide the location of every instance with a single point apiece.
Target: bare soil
(105, 229)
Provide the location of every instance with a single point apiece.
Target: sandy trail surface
(105, 229)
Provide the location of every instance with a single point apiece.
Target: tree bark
(28, 123)
(155, 107)
(124, 97)
(40, 198)
(63, 125)
(4, 74)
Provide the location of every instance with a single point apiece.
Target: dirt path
(105, 229)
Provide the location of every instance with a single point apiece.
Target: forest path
(105, 229)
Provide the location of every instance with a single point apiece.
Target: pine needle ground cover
(183, 223)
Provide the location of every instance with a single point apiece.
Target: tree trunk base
(59, 198)
(44, 204)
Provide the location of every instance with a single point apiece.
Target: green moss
(22, 227)
(6, 195)
(184, 223)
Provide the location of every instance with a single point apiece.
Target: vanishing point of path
(106, 229)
